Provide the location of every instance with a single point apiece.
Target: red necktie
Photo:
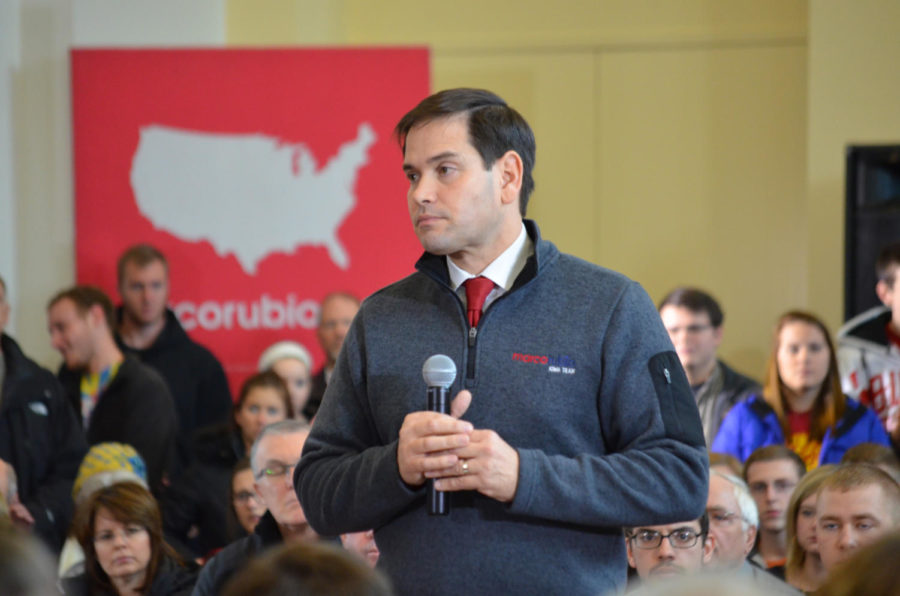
(477, 289)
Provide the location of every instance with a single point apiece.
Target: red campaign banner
(268, 178)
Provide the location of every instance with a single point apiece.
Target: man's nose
(847, 539)
(424, 190)
(665, 550)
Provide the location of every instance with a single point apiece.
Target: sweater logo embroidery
(555, 364)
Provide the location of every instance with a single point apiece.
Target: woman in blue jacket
(802, 405)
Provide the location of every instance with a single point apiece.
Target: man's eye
(444, 170)
(829, 527)
(412, 176)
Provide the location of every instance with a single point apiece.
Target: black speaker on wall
(872, 219)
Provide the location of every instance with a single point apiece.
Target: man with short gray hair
(273, 457)
(733, 523)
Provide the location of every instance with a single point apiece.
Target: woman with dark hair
(120, 530)
(247, 507)
(199, 498)
(802, 405)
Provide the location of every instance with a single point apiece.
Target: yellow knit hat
(106, 464)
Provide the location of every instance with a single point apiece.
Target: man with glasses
(733, 524)
(273, 458)
(772, 472)
(673, 549)
(694, 320)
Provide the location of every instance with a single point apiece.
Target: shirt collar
(503, 270)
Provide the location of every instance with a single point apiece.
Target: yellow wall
(671, 135)
(854, 98)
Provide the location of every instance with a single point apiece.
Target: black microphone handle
(438, 400)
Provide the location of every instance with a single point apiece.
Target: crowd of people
(135, 471)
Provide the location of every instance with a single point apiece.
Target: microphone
(439, 372)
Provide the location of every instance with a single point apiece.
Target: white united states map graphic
(249, 195)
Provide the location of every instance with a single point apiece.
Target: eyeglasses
(276, 469)
(780, 486)
(245, 495)
(680, 538)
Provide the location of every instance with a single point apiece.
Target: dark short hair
(887, 262)
(141, 255)
(310, 569)
(85, 297)
(695, 300)
(775, 453)
(494, 128)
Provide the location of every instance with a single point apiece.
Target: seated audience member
(335, 316)
(308, 569)
(869, 347)
(802, 405)
(363, 544)
(246, 505)
(148, 330)
(26, 568)
(725, 463)
(197, 502)
(674, 549)
(694, 320)
(771, 473)
(870, 571)
(120, 531)
(292, 362)
(116, 397)
(733, 522)
(858, 504)
(41, 442)
(804, 569)
(104, 465)
(877, 455)
(273, 458)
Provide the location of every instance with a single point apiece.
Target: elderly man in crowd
(733, 523)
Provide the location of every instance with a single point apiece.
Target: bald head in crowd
(857, 505)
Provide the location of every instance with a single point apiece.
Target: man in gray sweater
(572, 415)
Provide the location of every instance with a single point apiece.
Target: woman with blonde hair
(804, 569)
(802, 405)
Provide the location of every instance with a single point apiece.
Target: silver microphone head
(439, 371)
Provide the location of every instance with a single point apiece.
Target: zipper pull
(668, 376)
(473, 332)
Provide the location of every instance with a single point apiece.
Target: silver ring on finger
(465, 467)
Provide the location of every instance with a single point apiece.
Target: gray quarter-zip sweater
(573, 369)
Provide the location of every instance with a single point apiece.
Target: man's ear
(709, 547)
(510, 169)
(629, 553)
(749, 539)
(885, 292)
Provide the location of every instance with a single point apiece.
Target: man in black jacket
(150, 331)
(41, 444)
(117, 398)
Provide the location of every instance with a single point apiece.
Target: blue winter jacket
(752, 424)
